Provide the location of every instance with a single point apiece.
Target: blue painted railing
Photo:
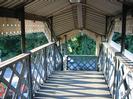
(81, 62)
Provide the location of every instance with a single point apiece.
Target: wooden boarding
(74, 85)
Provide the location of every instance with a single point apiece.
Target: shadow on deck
(74, 85)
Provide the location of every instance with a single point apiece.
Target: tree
(81, 45)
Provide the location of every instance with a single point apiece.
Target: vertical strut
(23, 40)
(123, 35)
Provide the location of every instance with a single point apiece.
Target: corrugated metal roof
(13, 3)
(95, 21)
(46, 7)
(65, 14)
(63, 22)
(109, 7)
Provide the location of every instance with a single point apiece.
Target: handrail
(41, 47)
(13, 60)
(126, 53)
(23, 55)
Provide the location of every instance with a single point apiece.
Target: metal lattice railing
(14, 78)
(44, 61)
(82, 62)
(118, 72)
(22, 76)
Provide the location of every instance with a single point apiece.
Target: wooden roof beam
(29, 16)
(8, 12)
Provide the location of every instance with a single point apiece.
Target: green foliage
(128, 41)
(81, 45)
(34, 40)
(10, 46)
(116, 37)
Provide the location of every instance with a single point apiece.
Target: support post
(106, 27)
(98, 40)
(54, 55)
(65, 45)
(23, 40)
(45, 63)
(30, 76)
(60, 45)
(123, 35)
(61, 55)
(53, 36)
(51, 28)
(61, 49)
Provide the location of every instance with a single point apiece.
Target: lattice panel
(43, 63)
(82, 63)
(24, 74)
(14, 80)
(59, 59)
(38, 69)
(50, 60)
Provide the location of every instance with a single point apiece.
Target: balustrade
(82, 62)
(118, 72)
(22, 76)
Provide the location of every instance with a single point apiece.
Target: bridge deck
(75, 85)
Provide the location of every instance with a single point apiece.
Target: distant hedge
(10, 46)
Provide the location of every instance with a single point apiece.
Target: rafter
(74, 12)
(84, 13)
(79, 15)
(34, 17)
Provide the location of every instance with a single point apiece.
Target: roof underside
(68, 16)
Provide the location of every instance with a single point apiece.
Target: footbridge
(48, 71)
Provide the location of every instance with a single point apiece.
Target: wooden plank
(75, 85)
